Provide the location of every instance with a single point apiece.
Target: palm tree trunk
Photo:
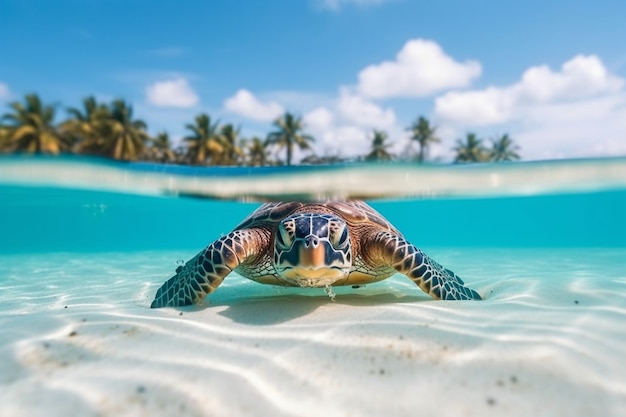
(289, 153)
(420, 155)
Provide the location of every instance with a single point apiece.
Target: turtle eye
(339, 236)
(283, 237)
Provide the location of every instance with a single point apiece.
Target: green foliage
(503, 149)
(472, 150)
(424, 134)
(380, 145)
(205, 144)
(107, 130)
(289, 135)
(4, 137)
(110, 130)
(85, 128)
(160, 149)
(31, 128)
(325, 159)
(232, 152)
(256, 153)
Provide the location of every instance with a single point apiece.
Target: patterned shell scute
(269, 213)
(360, 212)
(353, 212)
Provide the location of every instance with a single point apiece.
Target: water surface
(80, 262)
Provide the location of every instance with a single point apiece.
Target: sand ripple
(79, 339)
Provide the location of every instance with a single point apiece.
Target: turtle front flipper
(435, 280)
(202, 274)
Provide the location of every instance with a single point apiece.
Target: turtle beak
(312, 262)
(311, 253)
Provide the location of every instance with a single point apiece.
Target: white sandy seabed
(79, 339)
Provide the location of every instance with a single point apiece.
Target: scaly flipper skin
(202, 274)
(435, 280)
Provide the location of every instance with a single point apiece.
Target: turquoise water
(69, 204)
(47, 220)
(84, 245)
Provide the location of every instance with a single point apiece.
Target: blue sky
(552, 74)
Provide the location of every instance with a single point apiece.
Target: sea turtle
(310, 245)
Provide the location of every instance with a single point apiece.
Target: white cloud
(333, 134)
(356, 109)
(172, 93)
(336, 5)
(579, 78)
(338, 138)
(346, 140)
(576, 111)
(346, 127)
(245, 104)
(480, 107)
(318, 119)
(581, 128)
(421, 68)
(340, 125)
(5, 93)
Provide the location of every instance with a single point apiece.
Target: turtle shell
(353, 212)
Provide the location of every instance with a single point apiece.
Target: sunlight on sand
(79, 339)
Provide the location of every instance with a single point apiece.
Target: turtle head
(312, 249)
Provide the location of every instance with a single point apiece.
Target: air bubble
(329, 292)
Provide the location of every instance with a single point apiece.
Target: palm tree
(31, 128)
(160, 149)
(289, 135)
(472, 150)
(86, 128)
(205, 142)
(256, 152)
(379, 148)
(503, 149)
(129, 136)
(233, 153)
(424, 134)
(110, 131)
(4, 135)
